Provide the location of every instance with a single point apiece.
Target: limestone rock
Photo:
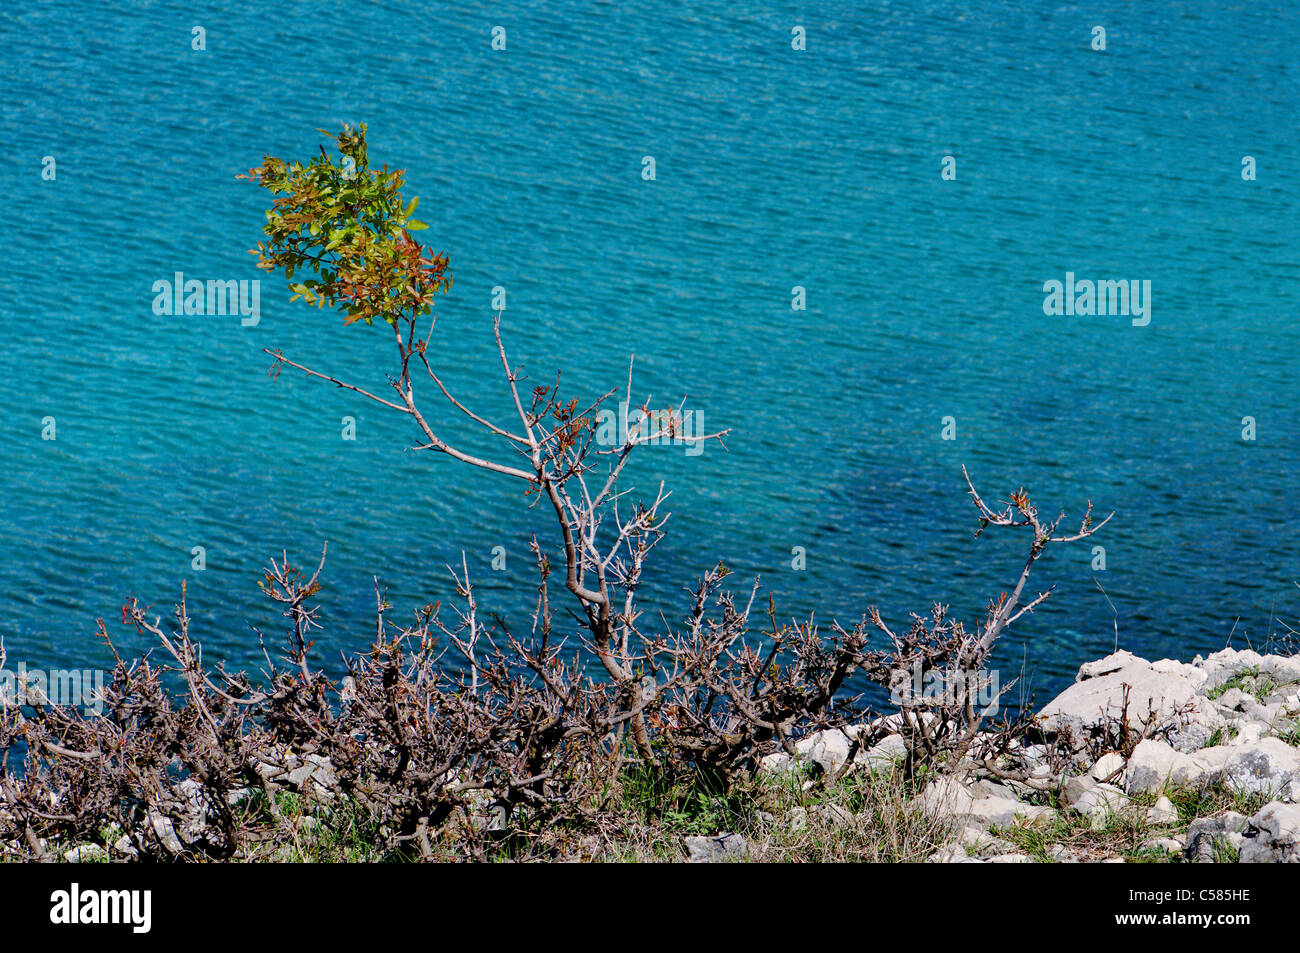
(1273, 835)
(1209, 837)
(723, 847)
(85, 853)
(1075, 787)
(888, 750)
(1155, 765)
(1107, 765)
(1170, 845)
(1267, 765)
(1097, 696)
(1100, 802)
(949, 797)
(1162, 812)
(952, 854)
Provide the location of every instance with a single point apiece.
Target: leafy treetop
(348, 225)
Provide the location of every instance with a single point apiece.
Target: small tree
(939, 650)
(517, 741)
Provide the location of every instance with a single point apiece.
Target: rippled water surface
(775, 168)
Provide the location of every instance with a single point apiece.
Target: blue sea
(775, 168)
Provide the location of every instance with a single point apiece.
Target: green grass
(1251, 681)
(1192, 803)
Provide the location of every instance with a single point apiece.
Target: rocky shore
(1136, 761)
(1217, 733)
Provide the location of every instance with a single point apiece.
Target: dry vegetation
(458, 735)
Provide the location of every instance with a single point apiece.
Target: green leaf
(411, 206)
(415, 226)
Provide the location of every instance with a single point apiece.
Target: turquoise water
(775, 168)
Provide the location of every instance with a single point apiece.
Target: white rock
(1221, 666)
(1267, 765)
(1162, 812)
(888, 750)
(1011, 859)
(85, 853)
(1107, 765)
(946, 796)
(949, 797)
(952, 854)
(986, 787)
(1075, 787)
(834, 815)
(723, 847)
(1155, 765)
(1169, 844)
(1208, 836)
(1097, 696)
(999, 811)
(1234, 699)
(166, 832)
(1101, 801)
(1248, 733)
(1273, 836)
(778, 762)
(1062, 854)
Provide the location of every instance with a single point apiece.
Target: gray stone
(1154, 765)
(1097, 696)
(1273, 835)
(946, 796)
(1075, 787)
(888, 750)
(1208, 838)
(300, 775)
(778, 762)
(166, 833)
(834, 815)
(1100, 802)
(998, 811)
(1266, 714)
(829, 750)
(1222, 666)
(1266, 766)
(723, 847)
(1062, 854)
(949, 797)
(1234, 699)
(952, 854)
(1169, 845)
(989, 788)
(85, 853)
(1162, 812)
(984, 843)
(1107, 767)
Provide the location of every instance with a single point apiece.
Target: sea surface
(774, 168)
